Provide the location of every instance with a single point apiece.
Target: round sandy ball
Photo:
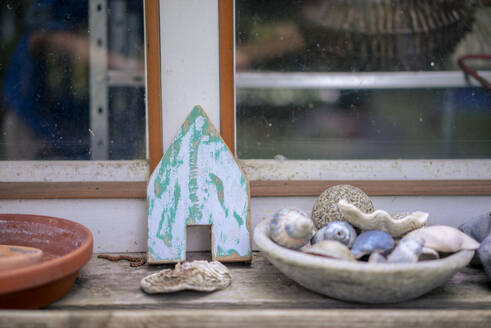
(326, 206)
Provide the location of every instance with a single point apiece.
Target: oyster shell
(407, 251)
(326, 209)
(291, 228)
(340, 231)
(396, 225)
(444, 239)
(202, 276)
(372, 241)
(330, 248)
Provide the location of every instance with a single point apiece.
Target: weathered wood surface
(115, 285)
(198, 182)
(248, 319)
(107, 294)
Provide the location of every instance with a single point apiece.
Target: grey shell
(372, 241)
(340, 231)
(326, 209)
(291, 228)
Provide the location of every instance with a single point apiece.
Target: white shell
(444, 239)
(291, 228)
(395, 225)
(376, 257)
(197, 275)
(330, 248)
(407, 250)
(429, 254)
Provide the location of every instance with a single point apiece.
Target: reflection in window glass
(47, 68)
(361, 79)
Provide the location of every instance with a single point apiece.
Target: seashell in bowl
(326, 209)
(291, 228)
(340, 231)
(428, 254)
(407, 251)
(330, 248)
(201, 276)
(444, 239)
(359, 281)
(373, 241)
(396, 226)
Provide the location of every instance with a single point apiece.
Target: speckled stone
(326, 209)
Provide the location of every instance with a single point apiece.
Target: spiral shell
(337, 230)
(326, 209)
(291, 228)
(372, 241)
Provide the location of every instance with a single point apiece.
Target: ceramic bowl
(66, 246)
(359, 281)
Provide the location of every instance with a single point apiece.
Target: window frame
(268, 178)
(97, 179)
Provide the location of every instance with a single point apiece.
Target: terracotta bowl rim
(50, 270)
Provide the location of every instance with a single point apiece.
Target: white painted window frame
(119, 224)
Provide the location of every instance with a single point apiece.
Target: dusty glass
(362, 79)
(71, 80)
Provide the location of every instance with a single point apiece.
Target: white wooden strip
(367, 169)
(120, 225)
(189, 61)
(66, 171)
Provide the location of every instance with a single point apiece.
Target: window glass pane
(71, 80)
(362, 79)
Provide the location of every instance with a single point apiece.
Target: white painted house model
(198, 182)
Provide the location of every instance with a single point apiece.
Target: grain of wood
(249, 318)
(280, 188)
(259, 188)
(114, 285)
(154, 90)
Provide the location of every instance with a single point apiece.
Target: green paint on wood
(228, 252)
(239, 220)
(198, 182)
(217, 182)
(166, 236)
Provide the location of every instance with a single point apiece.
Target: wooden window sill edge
(259, 188)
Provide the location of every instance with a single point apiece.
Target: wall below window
(119, 225)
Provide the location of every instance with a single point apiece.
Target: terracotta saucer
(66, 246)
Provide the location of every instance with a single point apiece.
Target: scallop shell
(326, 209)
(372, 241)
(407, 251)
(291, 228)
(332, 249)
(340, 231)
(202, 276)
(396, 225)
(444, 239)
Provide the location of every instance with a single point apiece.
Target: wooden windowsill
(108, 294)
